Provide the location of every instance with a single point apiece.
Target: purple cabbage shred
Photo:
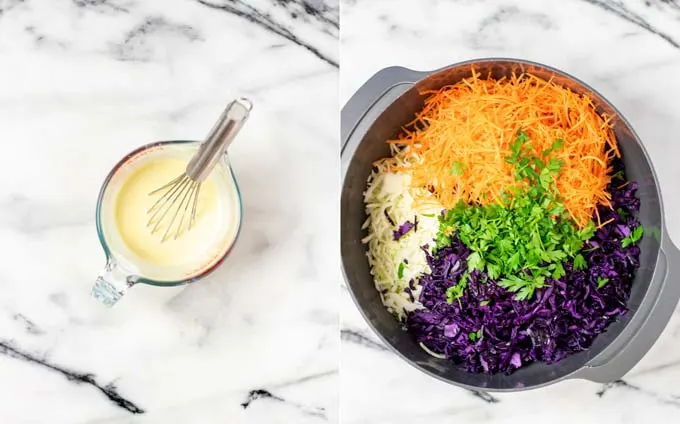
(402, 230)
(561, 319)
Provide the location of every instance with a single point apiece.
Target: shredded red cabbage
(403, 229)
(489, 331)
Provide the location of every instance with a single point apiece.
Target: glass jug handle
(111, 284)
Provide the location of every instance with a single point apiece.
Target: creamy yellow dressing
(131, 218)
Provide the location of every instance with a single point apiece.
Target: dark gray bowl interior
(372, 147)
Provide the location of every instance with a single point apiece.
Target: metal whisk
(179, 197)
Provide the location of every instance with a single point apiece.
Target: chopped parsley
(528, 236)
(457, 169)
(601, 282)
(633, 237)
(455, 292)
(475, 335)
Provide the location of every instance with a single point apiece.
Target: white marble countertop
(83, 82)
(628, 50)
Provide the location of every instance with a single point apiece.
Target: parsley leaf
(493, 270)
(450, 295)
(587, 232)
(400, 270)
(525, 292)
(637, 234)
(633, 237)
(457, 169)
(557, 145)
(512, 283)
(580, 262)
(619, 176)
(475, 335)
(601, 282)
(475, 261)
(455, 292)
(558, 272)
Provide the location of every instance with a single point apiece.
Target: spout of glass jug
(112, 283)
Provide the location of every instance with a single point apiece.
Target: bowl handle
(394, 80)
(653, 314)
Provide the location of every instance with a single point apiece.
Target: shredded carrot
(473, 124)
(605, 223)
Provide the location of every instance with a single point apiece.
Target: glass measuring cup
(125, 267)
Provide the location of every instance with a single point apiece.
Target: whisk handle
(219, 139)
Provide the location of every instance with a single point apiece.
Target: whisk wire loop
(181, 194)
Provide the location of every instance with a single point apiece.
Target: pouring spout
(111, 284)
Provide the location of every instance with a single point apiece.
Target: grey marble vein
(620, 10)
(313, 10)
(108, 390)
(306, 379)
(101, 6)
(30, 216)
(485, 396)
(514, 14)
(134, 46)
(259, 394)
(656, 368)
(262, 19)
(29, 325)
(7, 5)
(665, 399)
(43, 40)
(659, 4)
(358, 337)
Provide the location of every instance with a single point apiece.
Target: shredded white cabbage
(431, 353)
(388, 191)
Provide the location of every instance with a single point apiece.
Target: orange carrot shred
(473, 124)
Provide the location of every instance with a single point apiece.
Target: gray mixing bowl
(389, 100)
